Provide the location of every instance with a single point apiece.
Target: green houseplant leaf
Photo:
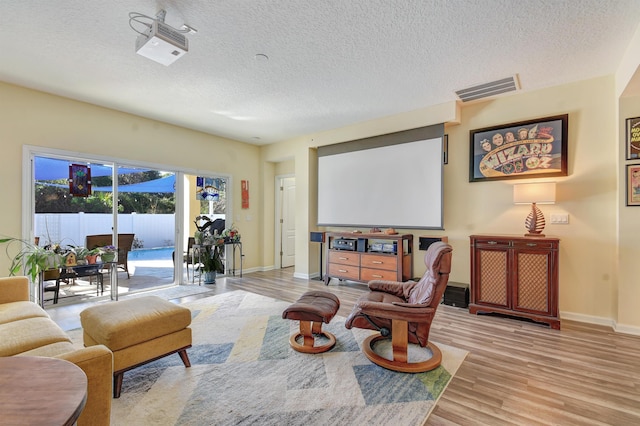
(211, 257)
(30, 259)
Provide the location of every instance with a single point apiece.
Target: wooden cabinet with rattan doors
(516, 276)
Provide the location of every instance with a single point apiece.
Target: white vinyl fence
(151, 230)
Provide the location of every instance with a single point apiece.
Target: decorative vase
(209, 277)
(535, 221)
(108, 257)
(92, 258)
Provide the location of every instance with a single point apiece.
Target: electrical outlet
(560, 218)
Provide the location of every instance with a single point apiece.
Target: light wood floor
(517, 372)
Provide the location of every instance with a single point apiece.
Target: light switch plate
(560, 218)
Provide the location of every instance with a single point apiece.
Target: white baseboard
(264, 269)
(606, 322)
(248, 271)
(589, 319)
(303, 276)
(627, 329)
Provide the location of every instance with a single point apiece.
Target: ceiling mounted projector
(162, 43)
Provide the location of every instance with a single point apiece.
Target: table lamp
(534, 193)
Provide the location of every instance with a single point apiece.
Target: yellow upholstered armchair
(404, 311)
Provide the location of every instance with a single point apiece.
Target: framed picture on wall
(633, 138)
(525, 149)
(633, 184)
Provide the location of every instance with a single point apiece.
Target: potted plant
(231, 234)
(81, 254)
(92, 256)
(108, 253)
(211, 259)
(33, 259)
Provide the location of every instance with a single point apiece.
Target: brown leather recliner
(404, 311)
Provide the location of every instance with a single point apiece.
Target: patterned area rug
(244, 372)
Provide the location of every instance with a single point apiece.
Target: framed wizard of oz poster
(633, 138)
(526, 149)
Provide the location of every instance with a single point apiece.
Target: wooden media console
(372, 256)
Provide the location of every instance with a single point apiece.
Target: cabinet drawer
(344, 257)
(376, 261)
(368, 274)
(536, 245)
(492, 242)
(347, 272)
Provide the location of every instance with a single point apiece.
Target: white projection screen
(392, 180)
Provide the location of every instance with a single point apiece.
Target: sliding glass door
(77, 208)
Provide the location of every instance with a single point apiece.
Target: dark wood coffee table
(41, 391)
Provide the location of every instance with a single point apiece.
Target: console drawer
(368, 274)
(347, 272)
(344, 257)
(377, 261)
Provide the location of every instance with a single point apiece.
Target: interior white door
(288, 228)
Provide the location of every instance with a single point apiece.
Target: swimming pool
(158, 253)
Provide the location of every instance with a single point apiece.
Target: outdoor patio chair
(125, 244)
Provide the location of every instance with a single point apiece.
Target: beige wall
(597, 272)
(33, 118)
(588, 276)
(629, 232)
(589, 271)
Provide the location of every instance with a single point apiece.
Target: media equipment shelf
(350, 256)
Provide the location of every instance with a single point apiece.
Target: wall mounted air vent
(486, 90)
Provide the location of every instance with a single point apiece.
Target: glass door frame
(181, 226)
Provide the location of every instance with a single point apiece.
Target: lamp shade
(539, 193)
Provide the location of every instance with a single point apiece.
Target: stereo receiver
(345, 244)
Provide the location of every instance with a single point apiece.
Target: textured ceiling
(331, 63)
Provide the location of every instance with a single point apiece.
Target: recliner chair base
(399, 342)
(307, 331)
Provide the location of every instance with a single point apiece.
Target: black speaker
(317, 237)
(456, 294)
(425, 242)
(362, 244)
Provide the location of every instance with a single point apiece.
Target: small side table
(235, 245)
(39, 391)
(196, 251)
